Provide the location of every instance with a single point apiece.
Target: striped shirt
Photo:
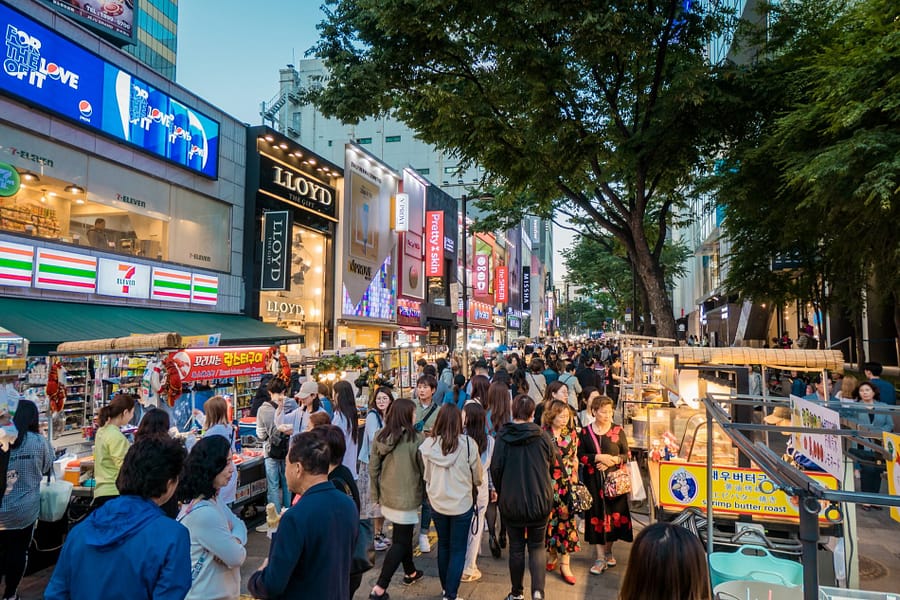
(27, 465)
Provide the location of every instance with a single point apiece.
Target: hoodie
(127, 548)
(395, 473)
(449, 478)
(521, 468)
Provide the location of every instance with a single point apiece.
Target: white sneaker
(382, 543)
(424, 544)
(264, 528)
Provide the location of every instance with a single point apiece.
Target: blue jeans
(425, 523)
(277, 491)
(453, 537)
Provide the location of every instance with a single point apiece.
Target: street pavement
(877, 546)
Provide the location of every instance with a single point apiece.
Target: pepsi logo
(155, 114)
(85, 108)
(52, 70)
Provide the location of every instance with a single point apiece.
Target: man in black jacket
(521, 472)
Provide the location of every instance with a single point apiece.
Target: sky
(229, 54)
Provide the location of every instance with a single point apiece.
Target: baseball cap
(308, 388)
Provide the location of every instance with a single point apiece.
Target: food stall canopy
(802, 360)
(47, 324)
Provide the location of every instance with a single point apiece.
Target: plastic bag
(637, 493)
(55, 497)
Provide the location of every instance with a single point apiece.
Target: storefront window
(300, 308)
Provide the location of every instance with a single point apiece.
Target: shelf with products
(77, 386)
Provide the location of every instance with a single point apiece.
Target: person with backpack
(374, 423)
(568, 377)
(276, 439)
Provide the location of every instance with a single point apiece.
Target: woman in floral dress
(602, 446)
(562, 531)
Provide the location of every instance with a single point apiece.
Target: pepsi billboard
(49, 71)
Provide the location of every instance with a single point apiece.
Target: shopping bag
(637, 493)
(55, 497)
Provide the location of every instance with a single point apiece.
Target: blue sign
(48, 70)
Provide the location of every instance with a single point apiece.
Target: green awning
(47, 324)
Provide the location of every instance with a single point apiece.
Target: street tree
(600, 109)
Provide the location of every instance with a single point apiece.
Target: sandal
(414, 577)
(611, 561)
(599, 567)
(473, 576)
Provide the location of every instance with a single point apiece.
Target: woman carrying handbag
(603, 450)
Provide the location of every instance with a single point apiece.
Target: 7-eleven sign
(123, 279)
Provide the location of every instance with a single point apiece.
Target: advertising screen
(112, 18)
(47, 70)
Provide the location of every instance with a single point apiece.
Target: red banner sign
(199, 364)
(481, 279)
(434, 255)
(500, 285)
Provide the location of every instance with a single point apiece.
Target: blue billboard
(48, 70)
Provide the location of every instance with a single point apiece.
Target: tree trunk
(647, 328)
(651, 275)
(858, 340)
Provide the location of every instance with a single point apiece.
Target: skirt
(367, 509)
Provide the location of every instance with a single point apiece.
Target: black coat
(521, 472)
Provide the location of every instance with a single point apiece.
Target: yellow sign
(735, 491)
(892, 444)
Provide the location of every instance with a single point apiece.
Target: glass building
(157, 32)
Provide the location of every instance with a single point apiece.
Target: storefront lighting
(318, 270)
(317, 291)
(312, 161)
(74, 189)
(79, 201)
(51, 194)
(319, 249)
(269, 138)
(29, 176)
(283, 146)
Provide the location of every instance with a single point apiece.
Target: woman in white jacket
(475, 426)
(217, 535)
(452, 472)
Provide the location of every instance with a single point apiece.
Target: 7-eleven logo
(126, 277)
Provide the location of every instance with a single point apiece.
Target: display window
(300, 308)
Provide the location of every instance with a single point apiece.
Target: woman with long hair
(603, 447)
(217, 423)
(499, 413)
(537, 384)
(649, 573)
(519, 383)
(217, 535)
(587, 395)
(474, 420)
(480, 385)
(346, 416)
(562, 530)
(396, 484)
(30, 457)
(154, 424)
(452, 470)
(110, 446)
(378, 408)
(553, 392)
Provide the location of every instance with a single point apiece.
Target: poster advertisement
(412, 280)
(892, 445)
(199, 364)
(369, 273)
(107, 16)
(824, 450)
(434, 243)
(735, 491)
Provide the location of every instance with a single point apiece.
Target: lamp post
(465, 281)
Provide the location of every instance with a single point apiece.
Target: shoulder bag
(363, 557)
(616, 481)
(580, 499)
(420, 425)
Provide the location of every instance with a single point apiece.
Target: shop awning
(46, 324)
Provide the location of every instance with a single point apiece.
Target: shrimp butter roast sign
(369, 276)
(199, 364)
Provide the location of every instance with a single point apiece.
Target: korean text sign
(198, 364)
(824, 450)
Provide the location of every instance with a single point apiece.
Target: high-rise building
(157, 35)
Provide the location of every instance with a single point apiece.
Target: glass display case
(679, 434)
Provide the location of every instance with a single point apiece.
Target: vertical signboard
(276, 254)
(434, 235)
(481, 279)
(526, 289)
(500, 288)
(401, 212)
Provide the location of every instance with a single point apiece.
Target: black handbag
(363, 557)
(580, 499)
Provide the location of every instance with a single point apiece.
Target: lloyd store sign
(283, 182)
(51, 269)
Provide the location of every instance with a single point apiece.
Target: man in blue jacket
(311, 551)
(129, 548)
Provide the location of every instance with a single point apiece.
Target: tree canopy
(602, 110)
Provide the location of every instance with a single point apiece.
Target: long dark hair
(448, 427)
(398, 422)
(346, 403)
(26, 419)
(480, 385)
(476, 422)
(117, 406)
(649, 573)
(498, 402)
(154, 424)
(585, 395)
(459, 384)
(206, 460)
(381, 390)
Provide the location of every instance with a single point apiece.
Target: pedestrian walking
(346, 416)
(498, 415)
(311, 554)
(475, 425)
(275, 437)
(128, 547)
(603, 447)
(369, 509)
(521, 469)
(218, 423)
(397, 485)
(110, 447)
(426, 415)
(452, 473)
(30, 458)
(562, 529)
(537, 384)
(218, 536)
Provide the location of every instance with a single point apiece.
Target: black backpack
(278, 442)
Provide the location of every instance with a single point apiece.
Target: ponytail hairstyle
(117, 406)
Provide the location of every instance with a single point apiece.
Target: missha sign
(283, 182)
